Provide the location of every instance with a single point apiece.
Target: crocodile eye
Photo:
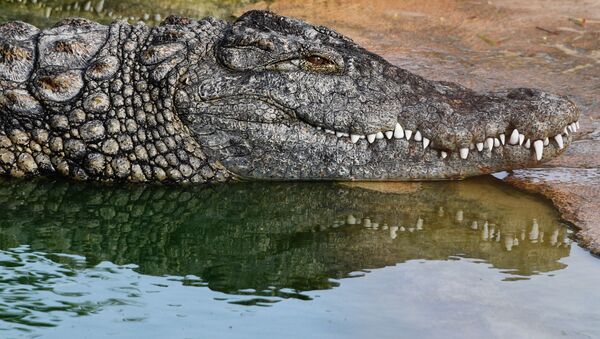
(318, 61)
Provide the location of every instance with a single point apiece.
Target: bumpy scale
(265, 97)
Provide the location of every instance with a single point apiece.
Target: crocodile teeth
(398, 131)
(418, 136)
(371, 138)
(577, 124)
(496, 142)
(538, 145)
(479, 146)
(379, 135)
(559, 140)
(408, 134)
(354, 138)
(565, 131)
(443, 154)
(521, 139)
(489, 143)
(503, 139)
(389, 134)
(329, 131)
(341, 134)
(546, 141)
(464, 153)
(528, 144)
(514, 137)
(425, 143)
(574, 127)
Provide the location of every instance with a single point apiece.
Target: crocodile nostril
(521, 94)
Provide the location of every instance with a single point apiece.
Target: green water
(257, 260)
(43, 13)
(289, 260)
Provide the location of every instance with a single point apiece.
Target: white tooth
(496, 142)
(521, 139)
(574, 126)
(528, 144)
(425, 143)
(318, 128)
(464, 153)
(539, 149)
(408, 134)
(565, 131)
(546, 141)
(398, 131)
(443, 154)
(514, 137)
(479, 146)
(503, 139)
(329, 131)
(379, 135)
(570, 128)
(559, 141)
(389, 134)
(354, 138)
(472, 146)
(339, 134)
(577, 124)
(351, 220)
(489, 143)
(418, 136)
(371, 138)
(459, 215)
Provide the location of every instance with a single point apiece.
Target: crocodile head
(278, 98)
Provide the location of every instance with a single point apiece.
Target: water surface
(285, 259)
(44, 13)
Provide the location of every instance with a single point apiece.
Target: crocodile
(265, 97)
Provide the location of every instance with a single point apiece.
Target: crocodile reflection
(284, 236)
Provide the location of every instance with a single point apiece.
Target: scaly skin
(265, 97)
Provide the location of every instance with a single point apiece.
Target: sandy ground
(553, 45)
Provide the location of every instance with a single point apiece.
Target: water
(43, 13)
(287, 260)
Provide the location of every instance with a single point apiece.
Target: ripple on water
(93, 250)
